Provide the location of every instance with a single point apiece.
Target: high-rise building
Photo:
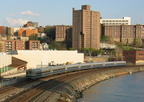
(63, 32)
(123, 33)
(123, 21)
(86, 28)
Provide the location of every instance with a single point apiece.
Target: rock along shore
(73, 90)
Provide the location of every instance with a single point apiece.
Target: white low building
(5, 60)
(37, 58)
(107, 46)
(123, 21)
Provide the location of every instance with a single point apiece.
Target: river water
(126, 88)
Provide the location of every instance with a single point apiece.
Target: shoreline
(74, 90)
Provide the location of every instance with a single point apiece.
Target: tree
(33, 37)
(0, 47)
(119, 44)
(57, 45)
(72, 49)
(136, 43)
(68, 44)
(127, 48)
(50, 32)
(88, 51)
(97, 52)
(118, 52)
(106, 38)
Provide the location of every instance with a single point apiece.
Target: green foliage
(97, 52)
(105, 38)
(119, 44)
(71, 49)
(91, 51)
(50, 32)
(33, 37)
(0, 47)
(57, 45)
(136, 43)
(68, 44)
(127, 48)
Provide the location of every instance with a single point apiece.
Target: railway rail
(46, 90)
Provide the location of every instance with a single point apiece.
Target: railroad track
(46, 90)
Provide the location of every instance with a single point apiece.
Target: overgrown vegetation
(50, 32)
(91, 51)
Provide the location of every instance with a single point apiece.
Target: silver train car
(33, 74)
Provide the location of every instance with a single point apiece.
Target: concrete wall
(37, 57)
(12, 81)
(5, 60)
(9, 72)
(95, 59)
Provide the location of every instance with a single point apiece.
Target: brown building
(123, 33)
(41, 29)
(113, 31)
(25, 32)
(86, 28)
(2, 46)
(33, 45)
(9, 45)
(143, 33)
(10, 31)
(2, 30)
(134, 57)
(63, 32)
(31, 24)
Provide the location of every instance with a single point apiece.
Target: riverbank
(73, 90)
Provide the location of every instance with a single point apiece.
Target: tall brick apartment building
(86, 28)
(123, 33)
(63, 32)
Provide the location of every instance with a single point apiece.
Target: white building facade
(107, 46)
(38, 58)
(123, 21)
(5, 60)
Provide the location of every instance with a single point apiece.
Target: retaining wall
(11, 81)
(73, 90)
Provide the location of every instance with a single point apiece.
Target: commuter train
(33, 74)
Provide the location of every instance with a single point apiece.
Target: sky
(15, 13)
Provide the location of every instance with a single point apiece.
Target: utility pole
(0, 73)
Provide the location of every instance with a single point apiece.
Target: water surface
(126, 88)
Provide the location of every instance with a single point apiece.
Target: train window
(59, 69)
